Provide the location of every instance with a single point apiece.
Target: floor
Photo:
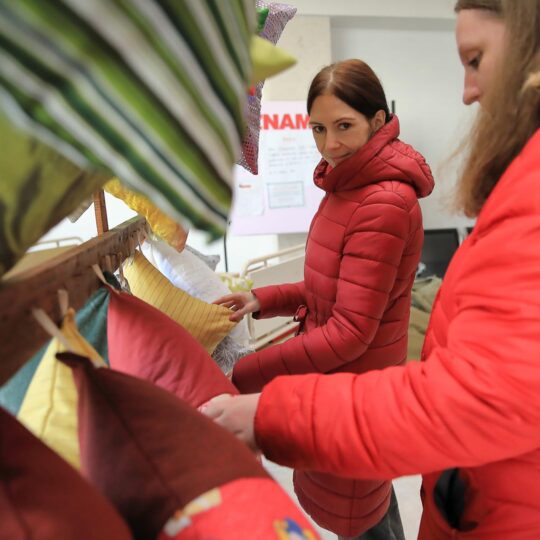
(407, 491)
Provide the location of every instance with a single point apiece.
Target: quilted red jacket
(474, 403)
(361, 257)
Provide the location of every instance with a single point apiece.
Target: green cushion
(39, 188)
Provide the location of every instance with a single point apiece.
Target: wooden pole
(100, 209)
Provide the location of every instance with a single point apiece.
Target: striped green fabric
(150, 90)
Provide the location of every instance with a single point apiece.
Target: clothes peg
(63, 301)
(48, 325)
(101, 277)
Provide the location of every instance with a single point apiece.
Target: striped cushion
(207, 323)
(151, 90)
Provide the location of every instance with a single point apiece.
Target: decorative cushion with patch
(43, 498)
(49, 408)
(166, 455)
(207, 323)
(187, 272)
(146, 343)
(208, 516)
(151, 91)
(274, 23)
(160, 223)
(39, 187)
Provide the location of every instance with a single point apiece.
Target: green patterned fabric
(150, 90)
(39, 187)
(262, 15)
(92, 324)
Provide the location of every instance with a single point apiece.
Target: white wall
(417, 63)
(439, 9)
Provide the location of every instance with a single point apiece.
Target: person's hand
(202, 407)
(237, 415)
(241, 303)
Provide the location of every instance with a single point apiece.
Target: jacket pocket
(450, 495)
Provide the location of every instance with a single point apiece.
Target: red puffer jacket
(361, 256)
(474, 403)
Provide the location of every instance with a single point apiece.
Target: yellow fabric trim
(160, 223)
(49, 408)
(207, 323)
(267, 59)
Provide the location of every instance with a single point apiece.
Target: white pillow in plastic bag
(189, 273)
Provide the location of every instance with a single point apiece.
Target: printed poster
(282, 197)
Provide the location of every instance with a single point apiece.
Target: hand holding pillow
(241, 303)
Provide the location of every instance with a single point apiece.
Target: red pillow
(152, 454)
(221, 514)
(44, 498)
(146, 343)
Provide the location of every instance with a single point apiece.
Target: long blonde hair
(511, 109)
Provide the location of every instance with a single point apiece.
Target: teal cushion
(92, 322)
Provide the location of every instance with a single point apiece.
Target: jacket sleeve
(279, 300)
(474, 401)
(373, 247)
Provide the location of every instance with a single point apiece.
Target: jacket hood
(383, 157)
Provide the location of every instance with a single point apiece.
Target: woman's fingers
(225, 299)
(238, 315)
(239, 303)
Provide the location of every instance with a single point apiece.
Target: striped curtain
(151, 91)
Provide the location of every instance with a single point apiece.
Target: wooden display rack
(37, 287)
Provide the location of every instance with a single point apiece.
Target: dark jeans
(389, 528)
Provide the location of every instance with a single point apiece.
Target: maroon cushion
(44, 498)
(146, 343)
(149, 452)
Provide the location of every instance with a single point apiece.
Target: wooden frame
(21, 336)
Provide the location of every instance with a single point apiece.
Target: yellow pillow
(160, 223)
(49, 408)
(267, 59)
(207, 323)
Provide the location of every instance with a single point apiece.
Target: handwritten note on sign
(282, 197)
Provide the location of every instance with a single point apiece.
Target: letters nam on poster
(282, 197)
